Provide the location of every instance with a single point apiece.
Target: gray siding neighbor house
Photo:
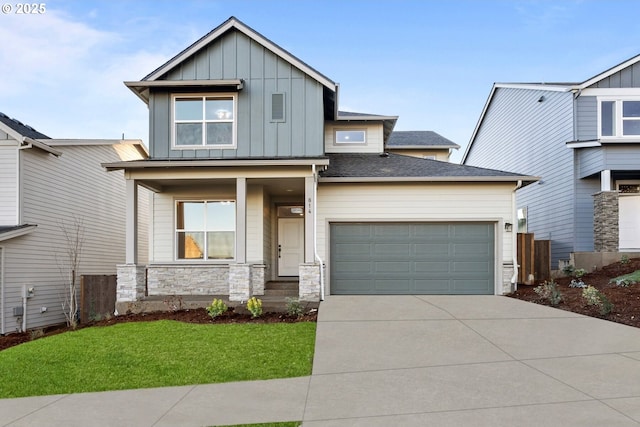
(583, 140)
(257, 177)
(45, 185)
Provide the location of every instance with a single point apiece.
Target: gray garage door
(412, 258)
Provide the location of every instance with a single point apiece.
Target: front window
(619, 118)
(350, 137)
(205, 230)
(204, 121)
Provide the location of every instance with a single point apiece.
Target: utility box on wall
(18, 311)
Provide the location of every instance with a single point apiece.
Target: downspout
(315, 231)
(514, 236)
(2, 312)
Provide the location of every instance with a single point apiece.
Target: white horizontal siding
(374, 138)
(55, 190)
(416, 202)
(8, 183)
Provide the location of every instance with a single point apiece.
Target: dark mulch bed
(189, 316)
(626, 300)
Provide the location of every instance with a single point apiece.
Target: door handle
(279, 251)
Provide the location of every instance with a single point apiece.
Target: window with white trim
(204, 121)
(619, 117)
(351, 137)
(205, 230)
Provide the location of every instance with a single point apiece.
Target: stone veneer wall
(605, 221)
(130, 282)
(309, 288)
(507, 274)
(209, 279)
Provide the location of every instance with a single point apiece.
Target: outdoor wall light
(508, 227)
(541, 98)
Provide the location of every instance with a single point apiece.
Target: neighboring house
(258, 177)
(45, 185)
(424, 144)
(583, 140)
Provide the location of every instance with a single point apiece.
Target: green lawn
(156, 354)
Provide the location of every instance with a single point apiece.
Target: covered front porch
(221, 230)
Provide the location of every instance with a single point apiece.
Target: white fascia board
(460, 179)
(234, 23)
(609, 72)
(12, 133)
(583, 144)
(422, 147)
(80, 142)
(17, 233)
(613, 92)
(365, 118)
(151, 164)
(30, 142)
(478, 123)
(536, 86)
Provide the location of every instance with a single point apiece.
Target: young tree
(69, 263)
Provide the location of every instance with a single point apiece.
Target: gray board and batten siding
(412, 258)
(519, 133)
(236, 56)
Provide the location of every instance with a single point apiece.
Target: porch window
(205, 230)
(204, 121)
(619, 118)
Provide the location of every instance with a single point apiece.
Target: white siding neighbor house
(47, 185)
(258, 177)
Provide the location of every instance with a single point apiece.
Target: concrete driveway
(403, 361)
(469, 361)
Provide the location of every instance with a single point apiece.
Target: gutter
(514, 236)
(30, 143)
(315, 230)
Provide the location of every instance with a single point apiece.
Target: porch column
(131, 221)
(605, 180)
(309, 219)
(241, 220)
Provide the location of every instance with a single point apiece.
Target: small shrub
(625, 283)
(34, 334)
(216, 308)
(294, 308)
(594, 297)
(550, 292)
(624, 260)
(579, 272)
(568, 270)
(254, 305)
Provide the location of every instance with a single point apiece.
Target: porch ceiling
(272, 186)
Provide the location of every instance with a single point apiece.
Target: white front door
(628, 222)
(290, 246)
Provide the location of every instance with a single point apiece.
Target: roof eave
(143, 88)
(608, 72)
(12, 234)
(422, 147)
(155, 164)
(526, 180)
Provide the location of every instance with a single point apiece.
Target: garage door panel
(421, 258)
(392, 249)
(392, 286)
(393, 267)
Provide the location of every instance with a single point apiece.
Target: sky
(430, 62)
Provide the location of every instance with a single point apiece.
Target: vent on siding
(277, 107)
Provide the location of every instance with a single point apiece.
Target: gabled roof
(595, 79)
(366, 167)
(234, 23)
(21, 128)
(419, 139)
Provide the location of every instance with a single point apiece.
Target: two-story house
(46, 185)
(583, 140)
(257, 176)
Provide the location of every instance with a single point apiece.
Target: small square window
(350, 137)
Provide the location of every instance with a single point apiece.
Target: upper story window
(351, 137)
(204, 121)
(619, 118)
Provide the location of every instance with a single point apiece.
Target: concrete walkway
(406, 361)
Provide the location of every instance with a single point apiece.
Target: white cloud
(66, 78)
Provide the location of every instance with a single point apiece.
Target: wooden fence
(97, 297)
(534, 259)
